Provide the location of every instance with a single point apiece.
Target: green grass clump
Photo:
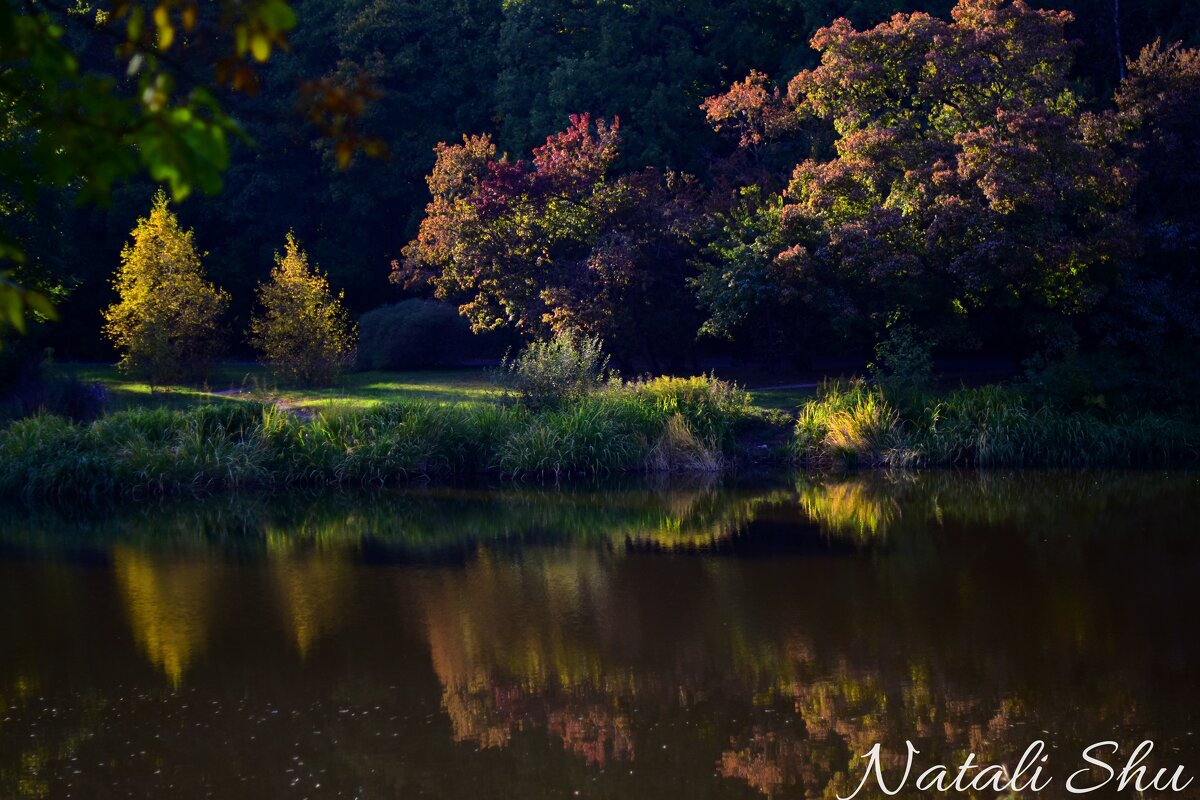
(712, 409)
(849, 425)
(990, 426)
(596, 436)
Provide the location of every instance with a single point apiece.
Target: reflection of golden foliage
(168, 606)
(850, 508)
(503, 672)
(310, 590)
(487, 716)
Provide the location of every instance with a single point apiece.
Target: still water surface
(696, 641)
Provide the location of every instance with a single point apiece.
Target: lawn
(240, 382)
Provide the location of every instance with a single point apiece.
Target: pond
(740, 639)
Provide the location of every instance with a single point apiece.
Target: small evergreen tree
(304, 334)
(166, 323)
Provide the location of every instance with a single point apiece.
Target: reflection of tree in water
(818, 665)
(169, 605)
(844, 715)
(26, 754)
(782, 667)
(311, 584)
(503, 672)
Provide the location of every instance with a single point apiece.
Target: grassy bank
(661, 425)
(664, 425)
(857, 425)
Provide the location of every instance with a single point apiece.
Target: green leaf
(277, 15)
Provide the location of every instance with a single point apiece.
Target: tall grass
(142, 452)
(854, 424)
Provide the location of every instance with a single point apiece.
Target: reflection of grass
(859, 509)
(428, 521)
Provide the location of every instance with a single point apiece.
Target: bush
(419, 334)
(903, 365)
(556, 372)
(304, 333)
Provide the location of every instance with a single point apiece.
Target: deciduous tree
(962, 184)
(557, 243)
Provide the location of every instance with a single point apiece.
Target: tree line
(988, 175)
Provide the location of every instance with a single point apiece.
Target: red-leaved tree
(558, 242)
(962, 183)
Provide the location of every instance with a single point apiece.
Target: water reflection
(694, 641)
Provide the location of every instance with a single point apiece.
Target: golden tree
(166, 323)
(304, 334)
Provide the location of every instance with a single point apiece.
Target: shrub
(419, 334)
(304, 333)
(989, 426)
(555, 372)
(166, 322)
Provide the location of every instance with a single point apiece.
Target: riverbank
(660, 426)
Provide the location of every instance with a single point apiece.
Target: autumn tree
(558, 243)
(303, 333)
(166, 323)
(962, 185)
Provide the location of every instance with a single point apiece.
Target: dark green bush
(420, 334)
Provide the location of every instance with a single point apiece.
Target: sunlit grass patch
(251, 382)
